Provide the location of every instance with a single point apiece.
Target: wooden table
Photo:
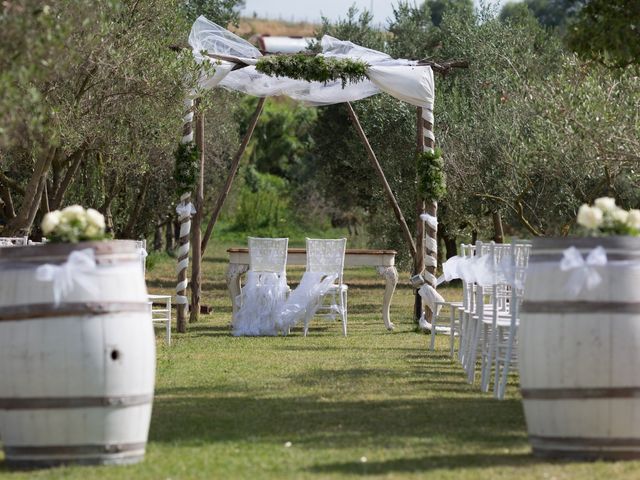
(382, 260)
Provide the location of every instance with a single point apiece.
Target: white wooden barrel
(580, 356)
(76, 379)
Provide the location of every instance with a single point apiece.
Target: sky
(311, 10)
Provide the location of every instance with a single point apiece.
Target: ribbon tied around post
(63, 277)
(584, 273)
(185, 209)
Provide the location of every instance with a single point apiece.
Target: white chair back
(268, 254)
(142, 249)
(326, 256)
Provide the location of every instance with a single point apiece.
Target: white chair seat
(161, 314)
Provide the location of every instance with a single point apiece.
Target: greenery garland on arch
(431, 177)
(186, 167)
(313, 68)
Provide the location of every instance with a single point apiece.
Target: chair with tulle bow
(455, 313)
(265, 289)
(327, 256)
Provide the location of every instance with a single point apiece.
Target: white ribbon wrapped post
(184, 211)
(584, 273)
(63, 277)
(432, 245)
(187, 119)
(430, 220)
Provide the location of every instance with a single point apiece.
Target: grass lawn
(374, 403)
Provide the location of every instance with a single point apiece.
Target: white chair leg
(452, 322)
(507, 363)
(498, 365)
(464, 336)
(485, 357)
(471, 360)
(343, 311)
(168, 322)
(432, 342)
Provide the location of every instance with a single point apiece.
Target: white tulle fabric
(489, 268)
(304, 300)
(265, 309)
(403, 79)
(260, 304)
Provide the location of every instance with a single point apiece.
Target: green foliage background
(529, 131)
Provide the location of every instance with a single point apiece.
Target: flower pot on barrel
(579, 347)
(77, 354)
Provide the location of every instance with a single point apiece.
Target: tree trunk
(169, 237)
(42, 204)
(196, 232)
(498, 235)
(21, 224)
(7, 199)
(116, 186)
(137, 207)
(157, 237)
(75, 159)
(450, 245)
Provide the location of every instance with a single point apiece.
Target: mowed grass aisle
(374, 403)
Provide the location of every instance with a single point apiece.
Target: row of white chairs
(485, 322)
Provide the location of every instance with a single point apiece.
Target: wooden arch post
(196, 232)
(427, 235)
(184, 210)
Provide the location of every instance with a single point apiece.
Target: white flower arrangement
(606, 218)
(73, 224)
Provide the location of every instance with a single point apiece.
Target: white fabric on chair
(265, 290)
(303, 301)
(261, 301)
(326, 257)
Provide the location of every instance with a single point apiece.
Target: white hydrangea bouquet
(73, 224)
(606, 218)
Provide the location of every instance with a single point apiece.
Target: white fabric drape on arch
(403, 79)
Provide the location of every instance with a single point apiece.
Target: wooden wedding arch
(231, 62)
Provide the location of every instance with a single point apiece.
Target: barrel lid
(59, 252)
(617, 247)
(612, 242)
